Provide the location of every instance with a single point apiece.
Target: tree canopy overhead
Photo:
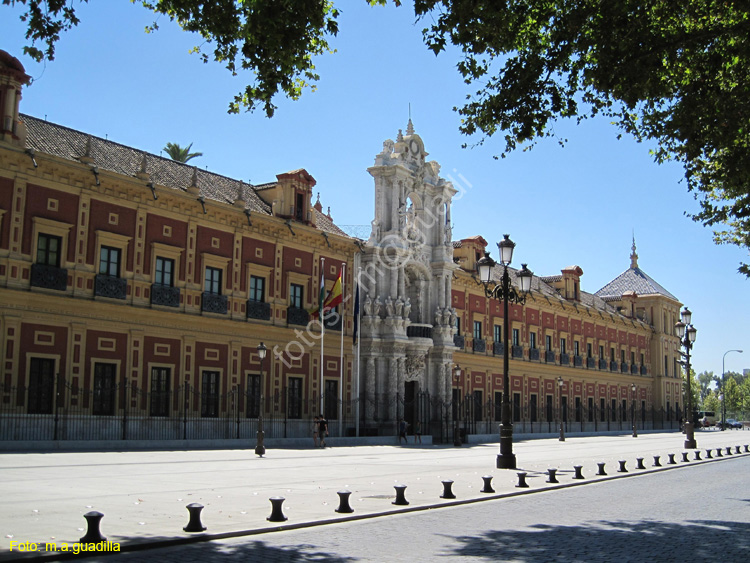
(675, 72)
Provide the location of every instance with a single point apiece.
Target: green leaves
(180, 154)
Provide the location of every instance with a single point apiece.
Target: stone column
(369, 390)
(391, 389)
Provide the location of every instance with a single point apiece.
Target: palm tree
(179, 154)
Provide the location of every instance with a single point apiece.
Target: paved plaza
(143, 494)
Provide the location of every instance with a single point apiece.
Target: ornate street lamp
(562, 428)
(723, 381)
(456, 429)
(260, 449)
(686, 332)
(505, 292)
(632, 409)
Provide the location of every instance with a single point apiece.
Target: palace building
(135, 292)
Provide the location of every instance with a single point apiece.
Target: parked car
(730, 423)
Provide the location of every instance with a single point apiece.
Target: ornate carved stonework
(415, 366)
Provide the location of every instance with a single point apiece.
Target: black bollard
(746, 448)
(578, 469)
(552, 476)
(447, 489)
(697, 455)
(737, 450)
(277, 515)
(657, 463)
(639, 463)
(729, 450)
(522, 481)
(685, 457)
(718, 453)
(601, 469)
(93, 535)
(400, 496)
(708, 454)
(622, 467)
(344, 506)
(194, 524)
(487, 484)
(671, 459)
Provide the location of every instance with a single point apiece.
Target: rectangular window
(666, 366)
(576, 348)
(563, 346)
(164, 274)
(497, 333)
(548, 342)
(458, 325)
(549, 408)
(257, 289)
(614, 410)
(295, 295)
(601, 352)
(532, 408)
(632, 358)
(104, 389)
(477, 405)
(48, 250)
(564, 404)
(498, 406)
(516, 337)
(624, 409)
(160, 391)
(532, 340)
(642, 360)
(210, 394)
(622, 356)
(109, 261)
(516, 407)
(589, 350)
(331, 400)
(612, 354)
(602, 411)
(578, 409)
(212, 283)
(477, 330)
(253, 395)
(591, 409)
(41, 385)
(295, 397)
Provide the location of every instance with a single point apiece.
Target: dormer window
(299, 208)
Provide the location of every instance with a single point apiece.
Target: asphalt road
(694, 513)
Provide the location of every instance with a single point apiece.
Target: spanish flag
(335, 296)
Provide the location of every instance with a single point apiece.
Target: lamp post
(632, 411)
(721, 398)
(723, 389)
(505, 292)
(456, 429)
(260, 449)
(686, 332)
(562, 428)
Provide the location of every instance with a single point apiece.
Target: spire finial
(633, 255)
(410, 128)
(399, 137)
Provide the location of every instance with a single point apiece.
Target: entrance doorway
(410, 403)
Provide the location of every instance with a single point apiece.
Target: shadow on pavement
(698, 540)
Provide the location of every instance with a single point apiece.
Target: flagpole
(341, 357)
(322, 327)
(359, 339)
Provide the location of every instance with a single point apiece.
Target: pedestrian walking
(315, 426)
(322, 430)
(418, 432)
(402, 431)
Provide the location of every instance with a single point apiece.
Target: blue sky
(575, 205)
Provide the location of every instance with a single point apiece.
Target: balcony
(165, 295)
(516, 351)
(258, 310)
(602, 364)
(333, 321)
(478, 345)
(459, 341)
(297, 316)
(564, 359)
(498, 348)
(634, 369)
(644, 370)
(534, 354)
(549, 356)
(590, 363)
(578, 361)
(110, 286)
(420, 331)
(49, 277)
(612, 365)
(624, 367)
(213, 303)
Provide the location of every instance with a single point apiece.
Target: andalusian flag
(321, 298)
